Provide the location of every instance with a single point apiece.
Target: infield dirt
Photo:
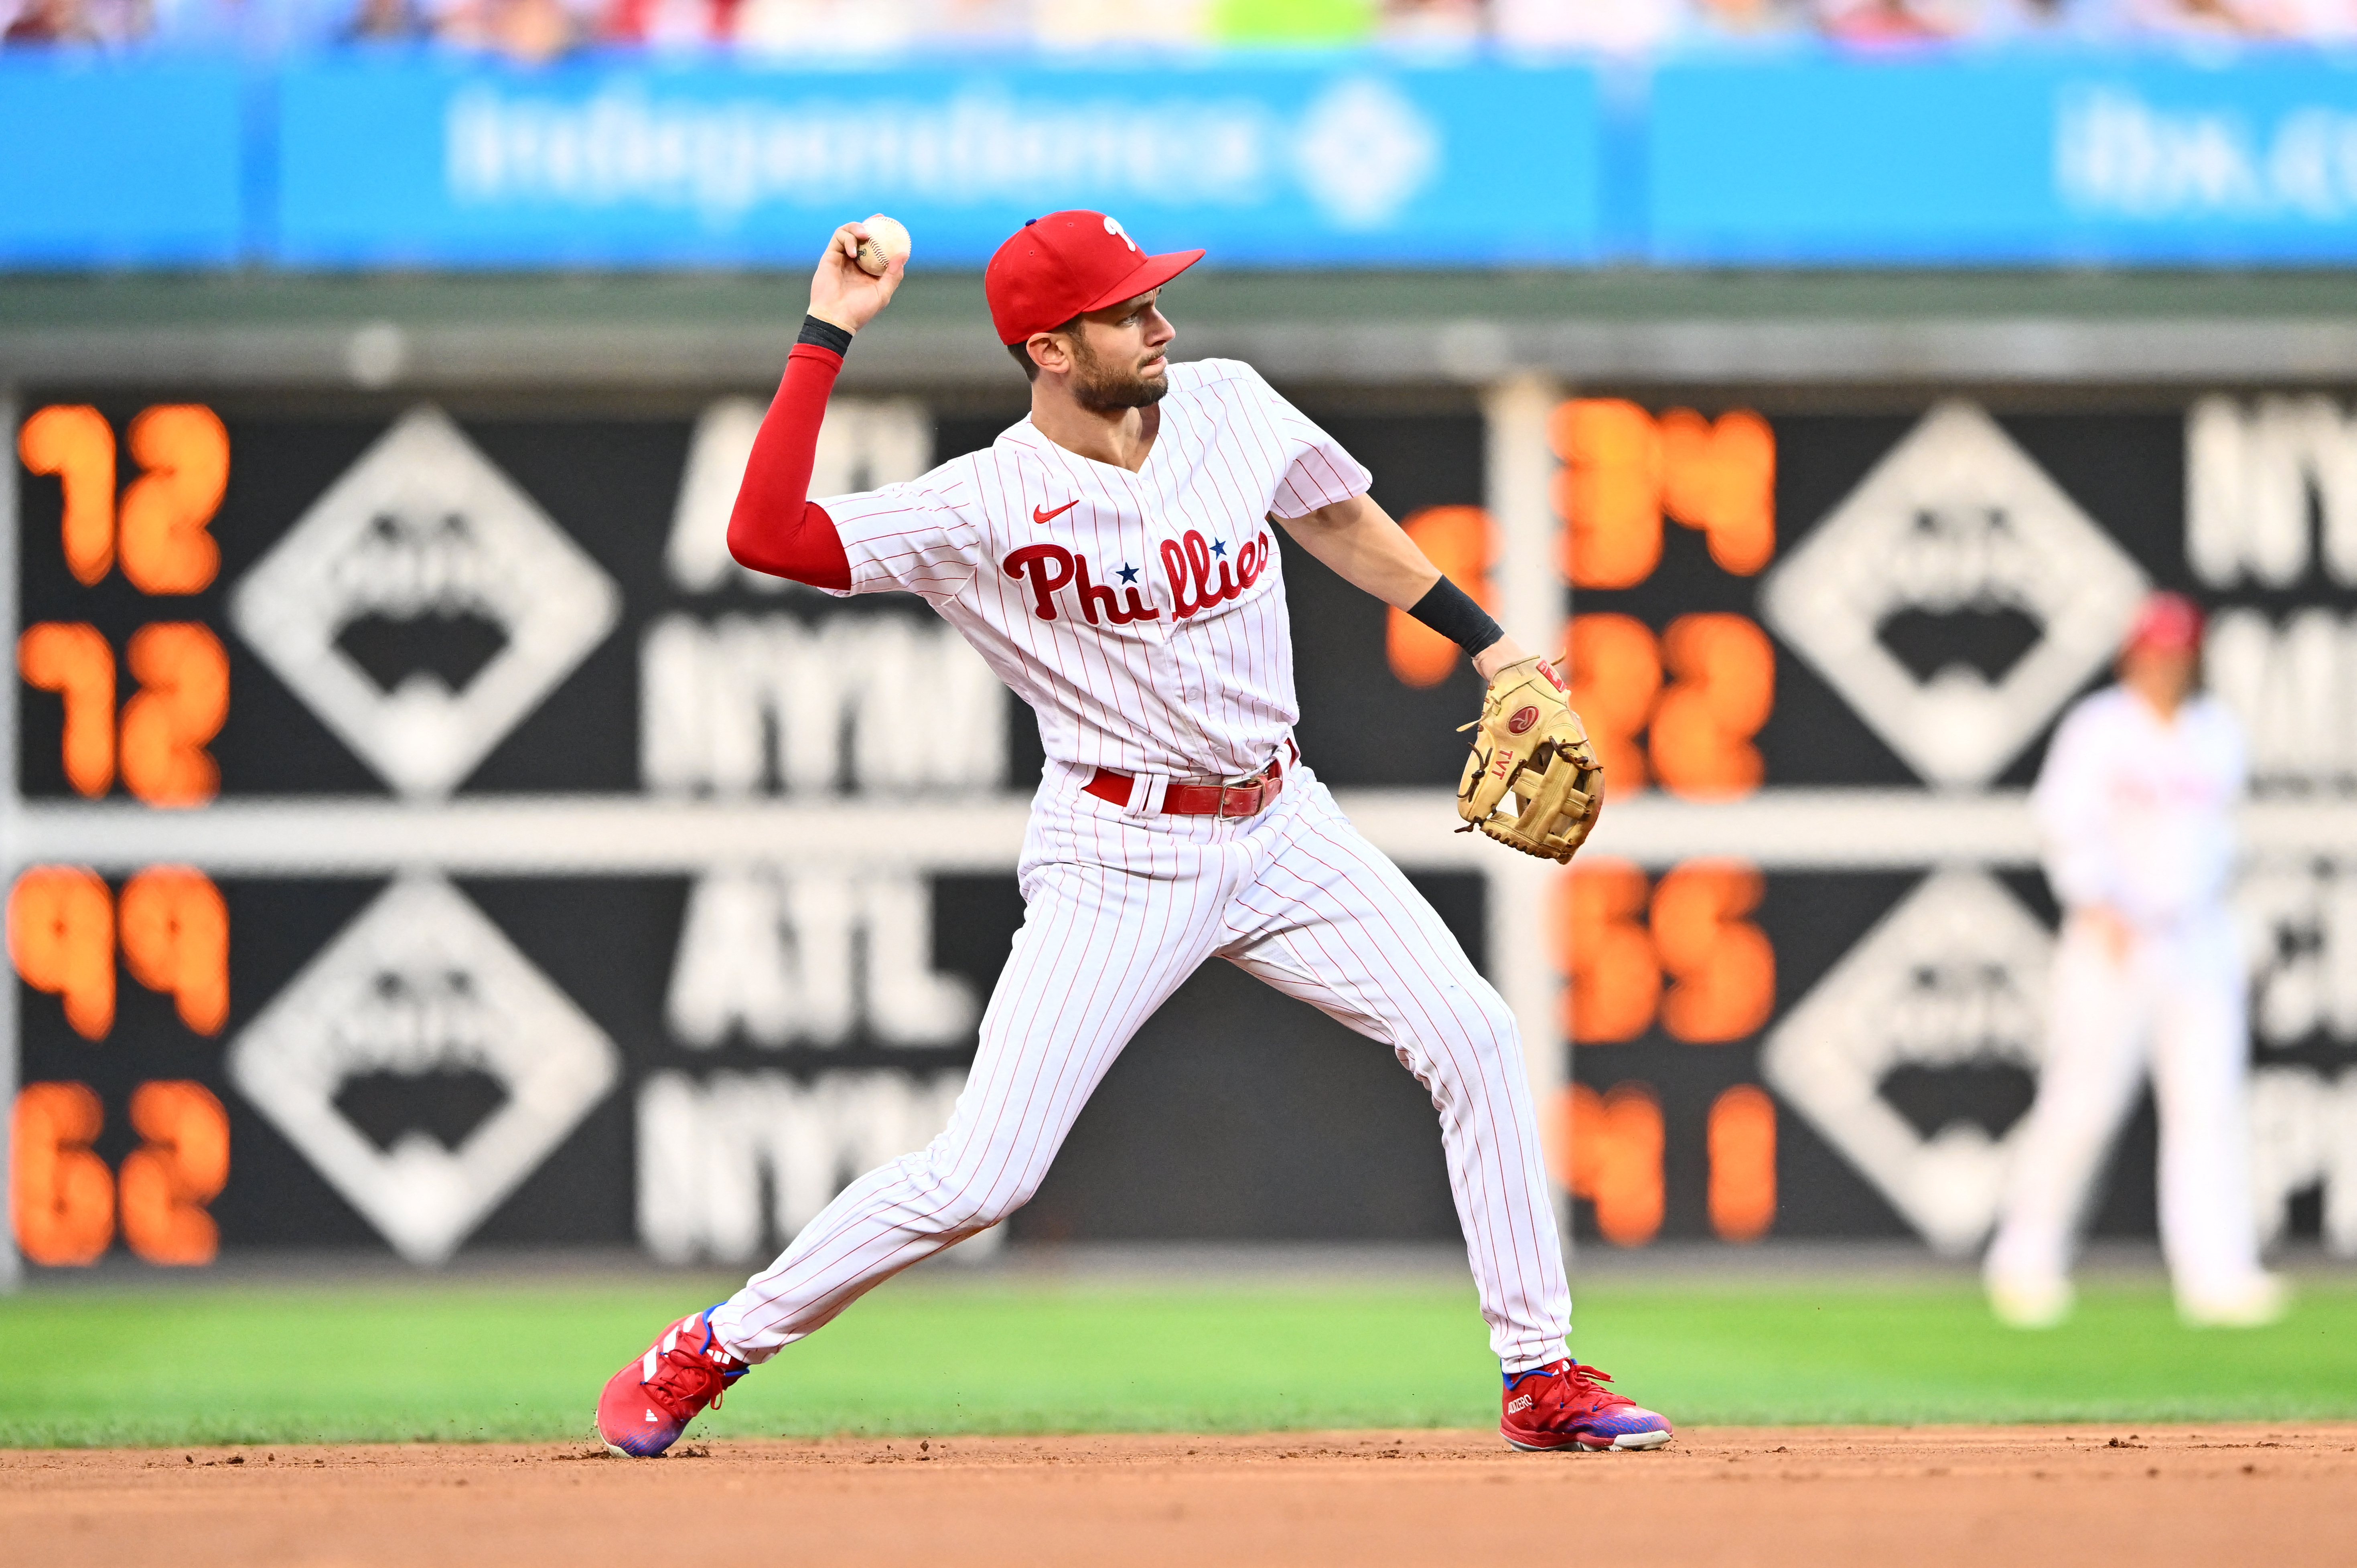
(1926, 1497)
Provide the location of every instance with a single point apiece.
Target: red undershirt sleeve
(776, 528)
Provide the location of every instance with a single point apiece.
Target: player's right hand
(842, 292)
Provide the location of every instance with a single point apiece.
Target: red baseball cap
(2169, 623)
(1057, 267)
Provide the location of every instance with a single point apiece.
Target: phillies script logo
(1051, 566)
(1199, 575)
(1187, 562)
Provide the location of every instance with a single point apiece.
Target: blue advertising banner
(118, 164)
(1350, 160)
(1800, 158)
(2134, 159)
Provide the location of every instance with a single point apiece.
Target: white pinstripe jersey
(1142, 616)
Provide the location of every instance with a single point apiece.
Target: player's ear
(1051, 352)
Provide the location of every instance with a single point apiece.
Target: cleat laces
(1583, 1388)
(1589, 1380)
(686, 1381)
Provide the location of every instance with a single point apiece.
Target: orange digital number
(1722, 689)
(173, 927)
(166, 545)
(182, 703)
(1722, 967)
(1609, 490)
(183, 700)
(1460, 541)
(175, 931)
(1618, 942)
(64, 1207)
(1721, 479)
(1613, 1158)
(1616, 674)
(1603, 946)
(161, 526)
(61, 940)
(74, 441)
(1742, 1146)
(1623, 471)
(181, 1166)
(72, 658)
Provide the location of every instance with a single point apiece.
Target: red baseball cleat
(1566, 1405)
(649, 1402)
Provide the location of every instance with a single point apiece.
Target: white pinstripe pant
(1121, 909)
(2177, 1004)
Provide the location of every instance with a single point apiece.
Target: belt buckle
(1259, 784)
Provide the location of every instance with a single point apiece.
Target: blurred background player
(2135, 808)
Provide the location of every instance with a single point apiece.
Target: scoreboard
(1806, 974)
(421, 835)
(527, 872)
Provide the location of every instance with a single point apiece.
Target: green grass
(231, 1364)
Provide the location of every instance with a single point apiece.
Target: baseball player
(2136, 806)
(1111, 557)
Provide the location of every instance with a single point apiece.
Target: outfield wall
(564, 894)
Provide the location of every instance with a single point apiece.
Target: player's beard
(1101, 388)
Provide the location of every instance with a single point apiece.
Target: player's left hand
(1533, 782)
(845, 293)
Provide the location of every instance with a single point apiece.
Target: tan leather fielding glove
(1532, 781)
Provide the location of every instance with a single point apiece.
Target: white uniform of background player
(2135, 806)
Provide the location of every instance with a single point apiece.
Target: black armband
(825, 334)
(1450, 611)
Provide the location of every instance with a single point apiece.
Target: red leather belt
(1211, 798)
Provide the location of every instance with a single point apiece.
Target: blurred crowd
(540, 29)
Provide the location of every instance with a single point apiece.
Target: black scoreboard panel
(612, 484)
(2126, 472)
(1813, 919)
(1964, 495)
(791, 1057)
(1237, 1113)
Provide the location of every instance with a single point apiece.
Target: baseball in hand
(887, 242)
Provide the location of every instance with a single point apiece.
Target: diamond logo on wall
(1955, 520)
(422, 990)
(424, 606)
(1363, 151)
(1954, 976)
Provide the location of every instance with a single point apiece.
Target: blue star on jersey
(1128, 572)
(1218, 547)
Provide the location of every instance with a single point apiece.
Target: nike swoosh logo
(1041, 514)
